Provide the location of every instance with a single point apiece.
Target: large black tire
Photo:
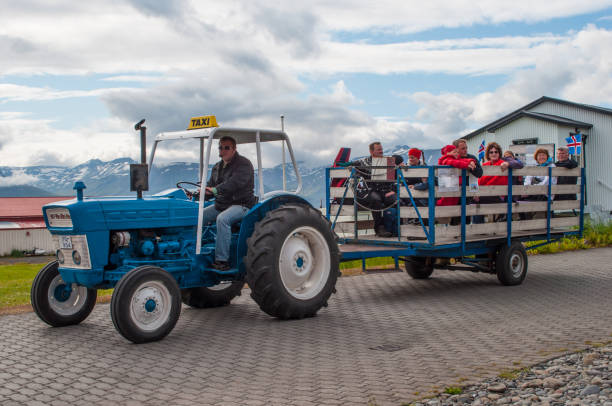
(511, 264)
(419, 267)
(57, 304)
(292, 262)
(213, 296)
(146, 304)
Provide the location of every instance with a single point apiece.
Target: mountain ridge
(111, 178)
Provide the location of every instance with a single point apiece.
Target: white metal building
(550, 121)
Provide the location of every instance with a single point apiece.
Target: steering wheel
(192, 194)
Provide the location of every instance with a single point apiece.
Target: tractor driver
(231, 183)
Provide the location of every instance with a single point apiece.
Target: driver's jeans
(225, 219)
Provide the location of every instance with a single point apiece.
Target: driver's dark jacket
(234, 183)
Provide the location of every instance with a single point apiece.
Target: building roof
(540, 116)
(523, 111)
(22, 224)
(19, 209)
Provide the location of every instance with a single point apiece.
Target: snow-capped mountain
(112, 178)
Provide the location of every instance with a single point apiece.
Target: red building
(22, 226)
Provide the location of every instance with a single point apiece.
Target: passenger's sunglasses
(493, 151)
(224, 147)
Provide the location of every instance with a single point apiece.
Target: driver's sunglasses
(224, 147)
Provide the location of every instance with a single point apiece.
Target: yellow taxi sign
(202, 122)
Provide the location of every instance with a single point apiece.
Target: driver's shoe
(221, 265)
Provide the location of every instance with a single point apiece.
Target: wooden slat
(471, 210)
(448, 232)
(415, 172)
(517, 190)
(487, 170)
(490, 229)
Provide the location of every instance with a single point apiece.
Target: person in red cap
(450, 156)
(415, 158)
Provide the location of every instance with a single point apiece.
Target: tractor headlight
(76, 257)
(72, 251)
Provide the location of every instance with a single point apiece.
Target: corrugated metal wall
(598, 150)
(598, 146)
(25, 240)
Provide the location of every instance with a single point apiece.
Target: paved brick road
(383, 338)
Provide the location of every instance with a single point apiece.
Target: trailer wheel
(146, 304)
(212, 296)
(57, 303)
(292, 262)
(511, 264)
(419, 267)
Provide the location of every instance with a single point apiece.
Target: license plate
(65, 242)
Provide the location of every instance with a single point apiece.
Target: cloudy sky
(76, 76)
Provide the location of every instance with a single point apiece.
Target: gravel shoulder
(582, 378)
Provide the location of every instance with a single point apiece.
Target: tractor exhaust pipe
(139, 173)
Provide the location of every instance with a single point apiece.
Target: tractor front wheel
(292, 262)
(146, 304)
(58, 303)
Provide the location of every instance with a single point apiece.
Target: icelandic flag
(574, 142)
(481, 151)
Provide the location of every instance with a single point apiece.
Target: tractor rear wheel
(146, 304)
(57, 303)
(212, 296)
(292, 262)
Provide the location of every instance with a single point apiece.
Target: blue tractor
(157, 255)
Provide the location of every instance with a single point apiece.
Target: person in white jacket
(543, 159)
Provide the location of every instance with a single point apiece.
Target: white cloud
(26, 142)
(10, 92)
(18, 177)
(244, 62)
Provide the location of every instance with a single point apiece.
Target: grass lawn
(15, 283)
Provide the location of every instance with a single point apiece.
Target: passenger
(565, 162)
(231, 183)
(514, 163)
(461, 145)
(414, 159)
(542, 159)
(450, 156)
(493, 158)
(381, 194)
(415, 156)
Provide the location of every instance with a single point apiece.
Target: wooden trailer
(469, 235)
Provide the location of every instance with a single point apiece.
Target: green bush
(16, 253)
(594, 236)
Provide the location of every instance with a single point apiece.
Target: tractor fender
(255, 214)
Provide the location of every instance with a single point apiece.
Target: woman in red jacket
(493, 157)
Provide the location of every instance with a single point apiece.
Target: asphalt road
(384, 339)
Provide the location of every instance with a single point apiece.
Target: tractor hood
(121, 213)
